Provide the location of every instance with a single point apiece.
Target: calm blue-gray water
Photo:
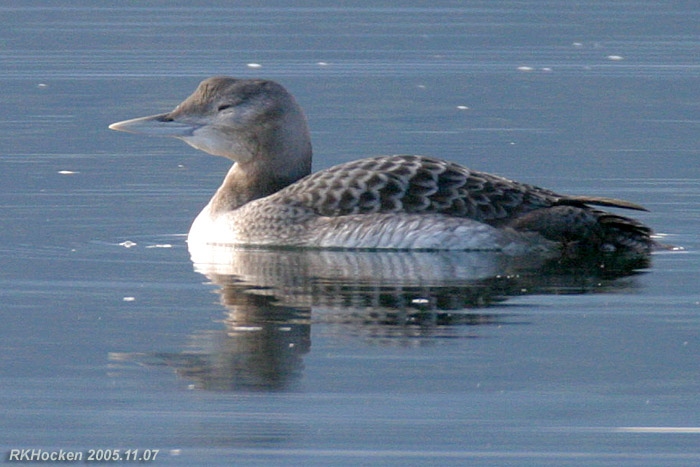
(113, 338)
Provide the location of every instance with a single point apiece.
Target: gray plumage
(403, 201)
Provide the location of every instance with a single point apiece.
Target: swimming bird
(269, 196)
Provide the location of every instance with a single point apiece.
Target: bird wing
(415, 184)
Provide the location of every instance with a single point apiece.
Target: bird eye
(223, 107)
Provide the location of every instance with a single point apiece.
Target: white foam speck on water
(128, 299)
(254, 65)
(161, 245)
(525, 68)
(247, 328)
(128, 244)
(67, 172)
(616, 58)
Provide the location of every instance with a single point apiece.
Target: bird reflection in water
(406, 297)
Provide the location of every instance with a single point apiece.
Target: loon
(269, 197)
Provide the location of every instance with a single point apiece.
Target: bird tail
(576, 225)
(614, 232)
(621, 233)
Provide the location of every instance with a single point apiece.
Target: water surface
(113, 338)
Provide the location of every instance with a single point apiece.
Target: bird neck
(274, 154)
(246, 182)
